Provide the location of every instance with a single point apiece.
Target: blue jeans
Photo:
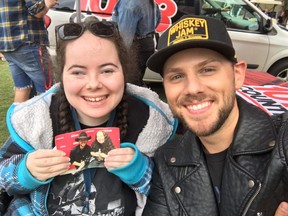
(30, 67)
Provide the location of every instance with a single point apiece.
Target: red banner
(265, 91)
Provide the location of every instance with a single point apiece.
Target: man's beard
(221, 118)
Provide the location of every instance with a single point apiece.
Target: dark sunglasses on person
(70, 31)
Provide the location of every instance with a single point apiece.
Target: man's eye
(207, 70)
(176, 77)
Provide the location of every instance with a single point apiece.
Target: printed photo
(88, 148)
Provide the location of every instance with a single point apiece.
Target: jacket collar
(255, 131)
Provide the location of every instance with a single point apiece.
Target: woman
(101, 145)
(93, 91)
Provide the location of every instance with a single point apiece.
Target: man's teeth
(95, 99)
(199, 106)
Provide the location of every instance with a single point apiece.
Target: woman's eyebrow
(76, 66)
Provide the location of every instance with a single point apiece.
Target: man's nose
(194, 84)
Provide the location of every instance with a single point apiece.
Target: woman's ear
(240, 70)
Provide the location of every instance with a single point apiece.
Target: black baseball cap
(192, 32)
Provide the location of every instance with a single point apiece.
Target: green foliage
(6, 98)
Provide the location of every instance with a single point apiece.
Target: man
(137, 21)
(23, 41)
(80, 154)
(232, 160)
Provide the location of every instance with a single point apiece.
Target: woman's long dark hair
(105, 147)
(128, 65)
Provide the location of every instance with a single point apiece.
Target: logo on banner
(271, 98)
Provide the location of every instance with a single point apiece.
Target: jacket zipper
(183, 173)
(251, 200)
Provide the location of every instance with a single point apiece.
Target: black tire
(280, 69)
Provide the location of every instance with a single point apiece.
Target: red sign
(168, 9)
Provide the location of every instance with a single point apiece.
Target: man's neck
(217, 143)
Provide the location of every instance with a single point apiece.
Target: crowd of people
(281, 16)
(229, 158)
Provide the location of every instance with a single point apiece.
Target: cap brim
(158, 59)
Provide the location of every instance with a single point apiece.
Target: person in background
(232, 160)
(282, 17)
(137, 21)
(23, 43)
(266, 11)
(93, 91)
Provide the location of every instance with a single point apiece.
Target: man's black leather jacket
(255, 175)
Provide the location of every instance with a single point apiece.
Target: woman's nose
(93, 83)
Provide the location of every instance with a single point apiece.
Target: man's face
(82, 143)
(200, 87)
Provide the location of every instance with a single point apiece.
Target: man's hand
(46, 163)
(81, 165)
(48, 4)
(119, 157)
(51, 3)
(282, 209)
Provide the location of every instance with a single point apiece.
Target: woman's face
(100, 137)
(93, 78)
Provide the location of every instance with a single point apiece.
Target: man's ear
(240, 70)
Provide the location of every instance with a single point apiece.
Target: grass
(6, 98)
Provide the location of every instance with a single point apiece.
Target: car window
(234, 13)
(66, 5)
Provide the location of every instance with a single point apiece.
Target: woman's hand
(119, 157)
(47, 163)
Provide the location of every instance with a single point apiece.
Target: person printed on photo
(80, 154)
(101, 146)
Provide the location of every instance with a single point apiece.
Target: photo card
(88, 148)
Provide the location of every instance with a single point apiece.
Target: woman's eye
(108, 71)
(78, 73)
